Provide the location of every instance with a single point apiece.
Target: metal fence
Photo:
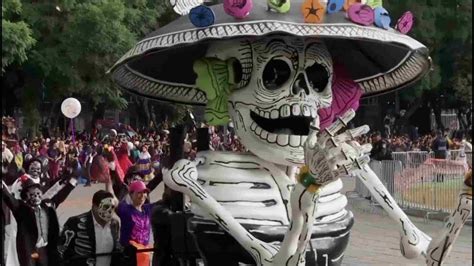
(418, 181)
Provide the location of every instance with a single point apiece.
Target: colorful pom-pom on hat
(160, 66)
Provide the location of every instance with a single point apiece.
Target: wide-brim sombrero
(160, 66)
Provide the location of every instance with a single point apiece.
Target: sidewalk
(374, 237)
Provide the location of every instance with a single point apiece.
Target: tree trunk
(437, 113)
(461, 115)
(99, 113)
(146, 109)
(52, 112)
(141, 113)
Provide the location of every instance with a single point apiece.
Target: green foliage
(75, 43)
(445, 27)
(78, 41)
(463, 88)
(16, 35)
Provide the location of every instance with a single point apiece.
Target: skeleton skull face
(33, 196)
(283, 83)
(34, 170)
(106, 209)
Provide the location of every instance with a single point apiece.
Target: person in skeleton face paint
(95, 231)
(35, 170)
(37, 221)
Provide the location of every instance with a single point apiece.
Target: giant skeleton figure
(282, 92)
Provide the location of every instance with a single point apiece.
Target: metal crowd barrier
(418, 181)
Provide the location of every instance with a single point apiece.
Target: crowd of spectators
(129, 163)
(383, 147)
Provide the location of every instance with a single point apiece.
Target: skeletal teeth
(303, 140)
(285, 111)
(264, 134)
(306, 111)
(295, 109)
(253, 126)
(283, 131)
(258, 130)
(266, 114)
(274, 114)
(282, 140)
(261, 113)
(272, 137)
(295, 141)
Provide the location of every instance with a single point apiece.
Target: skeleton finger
(356, 164)
(340, 123)
(351, 134)
(318, 159)
(360, 149)
(349, 152)
(312, 139)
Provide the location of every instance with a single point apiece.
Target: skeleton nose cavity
(300, 85)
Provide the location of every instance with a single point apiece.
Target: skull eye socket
(275, 74)
(318, 77)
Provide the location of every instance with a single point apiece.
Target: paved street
(374, 237)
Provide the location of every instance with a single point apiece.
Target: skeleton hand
(327, 155)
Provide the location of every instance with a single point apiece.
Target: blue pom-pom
(382, 18)
(202, 16)
(334, 6)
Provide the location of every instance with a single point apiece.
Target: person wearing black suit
(91, 233)
(37, 221)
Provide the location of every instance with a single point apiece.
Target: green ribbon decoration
(216, 78)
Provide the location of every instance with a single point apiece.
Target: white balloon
(71, 108)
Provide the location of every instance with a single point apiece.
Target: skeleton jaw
(287, 125)
(275, 134)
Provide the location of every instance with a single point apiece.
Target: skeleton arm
(9, 199)
(413, 241)
(182, 177)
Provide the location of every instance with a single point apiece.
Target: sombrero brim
(160, 66)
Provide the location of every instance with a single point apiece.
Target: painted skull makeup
(283, 82)
(35, 170)
(33, 197)
(105, 209)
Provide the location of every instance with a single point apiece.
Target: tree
(76, 43)
(445, 28)
(16, 35)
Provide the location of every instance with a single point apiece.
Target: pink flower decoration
(346, 94)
